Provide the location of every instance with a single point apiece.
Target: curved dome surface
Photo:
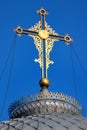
(44, 103)
(46, 122)
(45, 112)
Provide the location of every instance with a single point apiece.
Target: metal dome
(46, 122)
(45, 111)
(44, 102)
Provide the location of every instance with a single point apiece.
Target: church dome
(50, 121)
(46, 110)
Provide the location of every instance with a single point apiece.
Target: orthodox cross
(44, 37)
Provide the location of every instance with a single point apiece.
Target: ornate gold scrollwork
(43, 34)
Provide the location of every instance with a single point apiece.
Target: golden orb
(44, 82)
(43, 34)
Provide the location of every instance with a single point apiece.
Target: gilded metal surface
(37, 42)
(44, 82)
(49, 44)
(67, 38)
(39, 35)
(18, 30)
(43, 34)
(48, 41)
(42, 11)
(36, 27)
(50, 30)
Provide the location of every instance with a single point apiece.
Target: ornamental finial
(42, 11)
(44, 37)
(45, 102)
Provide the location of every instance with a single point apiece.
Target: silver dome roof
(51, 121)
(44, 102)
(45, 112)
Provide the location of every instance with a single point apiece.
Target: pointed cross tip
(68, 39)
(18, 30)
(42, 11)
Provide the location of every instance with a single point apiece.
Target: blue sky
(64, 16)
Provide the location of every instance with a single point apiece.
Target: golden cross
(44, 37)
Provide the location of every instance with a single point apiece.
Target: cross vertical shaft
(42, 20)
